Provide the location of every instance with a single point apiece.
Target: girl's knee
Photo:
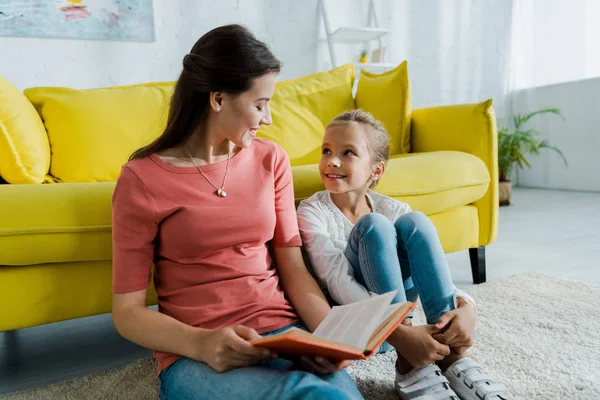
(415, 221)
(374, 221)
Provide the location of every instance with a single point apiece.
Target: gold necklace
(220, 192)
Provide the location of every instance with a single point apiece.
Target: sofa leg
(11, 347)
(477, 256)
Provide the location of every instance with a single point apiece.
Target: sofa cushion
(387, 97)
(55, 223)
(301, 108)
(72, 222)
(428, 182)
(24, 148)
(93, 132)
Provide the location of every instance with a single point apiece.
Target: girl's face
(241, 116)
(346, 164)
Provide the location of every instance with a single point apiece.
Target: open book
(348, 332)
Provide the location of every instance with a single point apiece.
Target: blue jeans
(269, 380)
(407, 256)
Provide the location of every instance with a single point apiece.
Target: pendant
(221, 193)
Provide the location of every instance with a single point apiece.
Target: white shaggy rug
(539, 335)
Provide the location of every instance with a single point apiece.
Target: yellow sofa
(61, 151)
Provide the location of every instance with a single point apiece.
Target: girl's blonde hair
(377, 137)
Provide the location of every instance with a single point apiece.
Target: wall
(456, 50)
(91, 63)
(577, 136)
(556, 63)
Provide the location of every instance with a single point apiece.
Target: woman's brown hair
(225, 59)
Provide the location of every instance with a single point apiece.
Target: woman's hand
(229, 348)
(458, 327)
(418, 346)
(322, 365)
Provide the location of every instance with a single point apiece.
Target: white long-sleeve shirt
(325, 233)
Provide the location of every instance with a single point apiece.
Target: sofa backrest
(92, 132)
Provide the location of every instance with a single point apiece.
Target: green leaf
(515, 141)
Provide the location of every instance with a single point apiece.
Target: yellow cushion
(24, 149)
(429, 182)
(93, 132)
(453, 239)
(301, 108)
(55, 223)
(387, 97)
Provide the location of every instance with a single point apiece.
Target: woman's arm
(307, 298)
(223, 349)
(300, 287)
(153, 330)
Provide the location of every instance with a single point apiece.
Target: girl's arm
(329, 263)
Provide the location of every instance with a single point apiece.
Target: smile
(335, 176)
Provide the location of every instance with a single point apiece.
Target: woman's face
(241, 116)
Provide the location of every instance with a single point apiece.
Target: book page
(353, 324)
(389, 311)
(384, 328)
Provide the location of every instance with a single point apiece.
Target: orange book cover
(298, 342)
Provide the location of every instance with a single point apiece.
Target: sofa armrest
(470, 128)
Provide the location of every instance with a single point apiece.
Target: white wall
(456, 49)
(577, 136)
(554, 41)
(289, 27)
(556, 63)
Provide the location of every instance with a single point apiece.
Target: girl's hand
(322, 365)
(419, 347)
(458, 327)
(229, 348)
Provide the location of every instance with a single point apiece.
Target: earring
(218, 108)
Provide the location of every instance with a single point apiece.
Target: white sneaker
(424, 383)
(470, 381)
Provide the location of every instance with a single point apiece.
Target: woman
(203, 202)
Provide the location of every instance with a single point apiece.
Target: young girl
(362, 243)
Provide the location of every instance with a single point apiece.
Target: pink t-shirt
(212, 265)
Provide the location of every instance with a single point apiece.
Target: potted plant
(514, 142)
(363, 57)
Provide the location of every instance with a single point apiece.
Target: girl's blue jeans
(406, 256)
